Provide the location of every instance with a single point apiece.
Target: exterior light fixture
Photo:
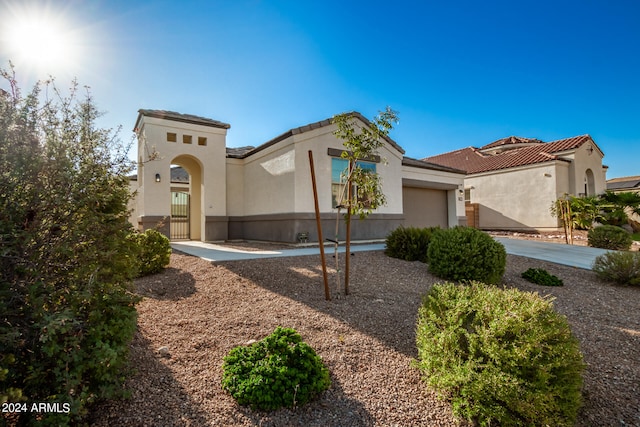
(590, 150)
(157, 177)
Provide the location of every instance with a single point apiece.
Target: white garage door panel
(424, 207)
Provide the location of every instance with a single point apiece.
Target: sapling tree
(362, 192)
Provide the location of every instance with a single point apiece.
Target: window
(186, 139)
(339, 171)
(172, 137)
(467, 195)
(202, 140)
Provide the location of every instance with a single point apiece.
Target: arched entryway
(186, 200)
(589, 183)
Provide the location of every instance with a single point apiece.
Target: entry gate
(179, 215)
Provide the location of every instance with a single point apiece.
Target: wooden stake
(347, 253)
(327, 294)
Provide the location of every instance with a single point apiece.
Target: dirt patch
(196, 311)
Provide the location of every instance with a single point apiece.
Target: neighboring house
(626, 184)
(511, 183)
(265, 192)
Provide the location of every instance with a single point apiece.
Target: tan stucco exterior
(520, 198)
(266, 193)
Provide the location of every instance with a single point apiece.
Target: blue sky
(460, 73)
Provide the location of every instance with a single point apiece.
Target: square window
(186, 139)
(172, 137)
(339, 172)
(202, 140)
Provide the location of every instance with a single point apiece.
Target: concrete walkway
(213, 252)
(575, 256)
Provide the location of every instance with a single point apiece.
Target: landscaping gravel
(194, 312)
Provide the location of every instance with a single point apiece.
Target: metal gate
(179, 215)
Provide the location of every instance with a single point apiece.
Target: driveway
(574, 256)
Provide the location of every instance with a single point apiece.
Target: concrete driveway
(575, 256)
(560, 253)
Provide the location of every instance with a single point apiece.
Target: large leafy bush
(67, 313)
(279, 371)
(409, 243)
(465, 253)
(619, 267)
(503, 357)
(609, 237)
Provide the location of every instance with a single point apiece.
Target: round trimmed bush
(610, 237)
(409, 243)
(465, 253)
(153, 251)
(619, 267)
(279, 371)
(502, 356)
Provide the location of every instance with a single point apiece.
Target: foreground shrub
(67, 310)
(542, 277)
(609, 237)
(153, 251)
(619, 267)
(503, 357)
(280, 370)
(409, 243)
(465, 253)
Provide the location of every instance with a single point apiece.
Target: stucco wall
(269, 180)
(319, 141)
(205, 164)
(517, 198)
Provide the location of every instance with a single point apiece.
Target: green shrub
(67, 310)
(153, 251)
(465, 253)
(280, 370)
(502, 356)
(541, 277)
(609, 237)
(409, 243)
(619, 267)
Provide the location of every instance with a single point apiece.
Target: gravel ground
(196, 311)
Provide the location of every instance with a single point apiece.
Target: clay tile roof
(472, 160)
(185, 118)
(409, 161)
(511, 140)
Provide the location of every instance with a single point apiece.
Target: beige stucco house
(265, 192)
(511, 183)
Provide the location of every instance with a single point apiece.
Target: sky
(459, 73)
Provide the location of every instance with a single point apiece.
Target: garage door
(425, 207)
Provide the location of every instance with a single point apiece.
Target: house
(624, 184)
(265, 192)
(511, 183)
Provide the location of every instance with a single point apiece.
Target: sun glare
(39, 39)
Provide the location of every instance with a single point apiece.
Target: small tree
(361, 143)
